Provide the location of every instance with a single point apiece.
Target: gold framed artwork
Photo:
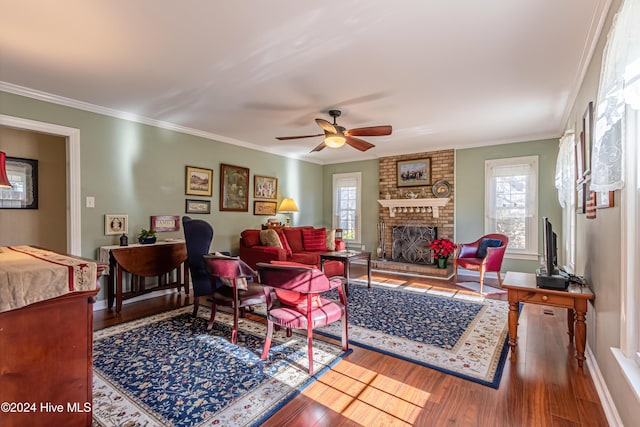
(234, 188)
(264, 208)
(165, 223)
(116, 224)
(199, 181)
(265, 187)
(413, 173)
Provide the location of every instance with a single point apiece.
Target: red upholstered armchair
(485, 254)
(299, 303)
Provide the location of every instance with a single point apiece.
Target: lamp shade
(4, 180)
(288, 205)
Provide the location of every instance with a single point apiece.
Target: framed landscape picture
(413, 173)
(199, 181)
(265, 187)
(234, 188)
(264, 208)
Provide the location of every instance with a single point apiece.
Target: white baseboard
(609, 407)
(102, 304)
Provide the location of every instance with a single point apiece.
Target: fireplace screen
(411, 244)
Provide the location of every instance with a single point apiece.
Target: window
(511, 203)
(347, 190)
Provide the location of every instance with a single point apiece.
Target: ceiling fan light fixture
(335, 140)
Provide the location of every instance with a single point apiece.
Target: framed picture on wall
(413, 173)
(199, 181)
(197, 206)
(23, 176)
(116, 224)
(581, 197)
(165, 223)
(234, 188)
(604, 199)
(265, 187)
(264, 208)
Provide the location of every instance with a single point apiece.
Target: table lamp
(288, 206)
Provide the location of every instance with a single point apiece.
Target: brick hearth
(408, 268)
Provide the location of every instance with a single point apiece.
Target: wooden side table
(345, 257)
(521, 287)
(154, 260)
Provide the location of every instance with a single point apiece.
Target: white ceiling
(443, 73)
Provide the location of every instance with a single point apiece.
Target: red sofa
(252, 251)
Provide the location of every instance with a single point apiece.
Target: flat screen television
(550, 239)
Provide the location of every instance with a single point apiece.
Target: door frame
(73, 202)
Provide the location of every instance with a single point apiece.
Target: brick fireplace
(442, 168)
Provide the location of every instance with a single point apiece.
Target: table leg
(513, 327)
(347, 270)
(570, 322)
(111, 282)
(581, 330)
(369, 271)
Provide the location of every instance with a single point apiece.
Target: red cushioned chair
(485, 254)
(240, 289)
(299, 303)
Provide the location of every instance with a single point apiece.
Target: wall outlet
(363, 247)
(91, 202)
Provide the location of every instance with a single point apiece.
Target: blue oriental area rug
(169, 370)
(461, 334)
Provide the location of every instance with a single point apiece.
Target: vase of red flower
(442, 249)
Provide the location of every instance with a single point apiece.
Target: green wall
(370, 192)
(469, 216)
(139, 170)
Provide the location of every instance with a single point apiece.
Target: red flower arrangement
(442, 248)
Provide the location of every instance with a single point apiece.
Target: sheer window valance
(565, 169)
(619, 89)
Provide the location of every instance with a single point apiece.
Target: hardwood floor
(543, 387)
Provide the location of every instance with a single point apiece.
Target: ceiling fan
(335, 136)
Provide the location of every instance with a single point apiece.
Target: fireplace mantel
(433, 204)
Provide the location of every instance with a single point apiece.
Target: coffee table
(345, 257)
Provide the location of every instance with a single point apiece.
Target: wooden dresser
(46, 357)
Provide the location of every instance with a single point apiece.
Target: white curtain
(565, 169)
(619, 89)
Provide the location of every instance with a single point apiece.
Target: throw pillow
(270, 238)
(331, 240)
(250, 237)
(285, 242)
(487, 243)
(294, 238)
(314, 239)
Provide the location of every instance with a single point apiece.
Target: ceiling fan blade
(358, 144)
(319, 147)
(284, 138)
(370, 131)
(326, 125)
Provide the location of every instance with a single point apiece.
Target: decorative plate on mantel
(441, 188)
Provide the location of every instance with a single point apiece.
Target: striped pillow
(314, 239)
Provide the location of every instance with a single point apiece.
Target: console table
(141, 261)
(521, 287)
